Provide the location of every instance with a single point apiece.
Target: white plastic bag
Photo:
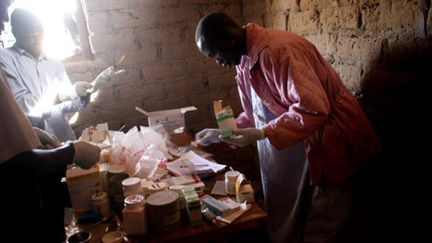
(148, 163)
(139, 151)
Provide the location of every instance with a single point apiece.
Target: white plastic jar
(132, 185)
(134, 218)
(230, 180)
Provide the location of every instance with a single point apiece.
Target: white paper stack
(191, 163)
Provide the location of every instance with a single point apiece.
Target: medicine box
(81, 185)
(169, 119)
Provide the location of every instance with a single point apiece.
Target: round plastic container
(163, 210)
(134, 201)
(157, 187)
(131, 186)
(230, 180)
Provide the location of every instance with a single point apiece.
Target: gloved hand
(48, 140)
(207, 136)
(86, 154)
(244, 137)
(106, 74)
(103, 77)
(81, 88)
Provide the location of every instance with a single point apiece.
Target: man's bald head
(215, 26)
(28, 31)
(218, 36)
(25, 21)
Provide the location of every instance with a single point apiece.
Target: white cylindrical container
(157, 187)
(163, 210)
(145, 184)
(132, 185)
(100, 204)
(230, 180)
(134, 218)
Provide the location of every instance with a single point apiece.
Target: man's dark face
(31, 38)
(226, 52)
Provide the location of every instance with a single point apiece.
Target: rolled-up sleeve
(297, 85)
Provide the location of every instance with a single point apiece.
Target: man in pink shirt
(292, 97)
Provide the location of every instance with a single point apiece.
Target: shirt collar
(22, 51)
(254, 42)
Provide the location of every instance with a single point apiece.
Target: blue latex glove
(244, 137)
(104, 77)
(207, 136)
(81, 87)
(61, 108)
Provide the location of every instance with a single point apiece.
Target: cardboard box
(169, 119)
(81, 185)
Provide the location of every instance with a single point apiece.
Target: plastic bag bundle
(140, 151)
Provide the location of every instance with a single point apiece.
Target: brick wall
(353, 34)
(164, 68)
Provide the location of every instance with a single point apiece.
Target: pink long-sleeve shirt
(298, 85)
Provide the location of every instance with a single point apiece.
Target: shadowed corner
(395, 94)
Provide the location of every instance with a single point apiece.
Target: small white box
(169, 119)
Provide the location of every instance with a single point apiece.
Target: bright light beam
(58, 43)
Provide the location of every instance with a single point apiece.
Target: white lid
(134, 201)
(232, 173)
(116, 168)
(162, 198)
(158, 186)
(131, 184)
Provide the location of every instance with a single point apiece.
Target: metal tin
(163, 210)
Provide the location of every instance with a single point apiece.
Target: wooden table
(254, 220)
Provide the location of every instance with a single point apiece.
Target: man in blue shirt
(25, 215)
(39, 84)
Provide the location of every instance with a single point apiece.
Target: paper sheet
(191, 163)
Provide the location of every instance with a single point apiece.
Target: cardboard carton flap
(170, 119)
(164, 112)
(186, 109)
